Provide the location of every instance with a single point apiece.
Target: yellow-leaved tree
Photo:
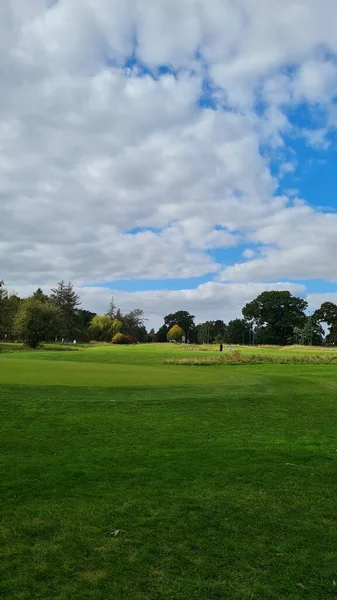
(175, 334)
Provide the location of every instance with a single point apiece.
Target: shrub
(121, 338)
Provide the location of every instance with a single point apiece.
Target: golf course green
(126, 478)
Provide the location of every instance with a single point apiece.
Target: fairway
(126, 478)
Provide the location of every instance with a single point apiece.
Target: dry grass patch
(237, 358)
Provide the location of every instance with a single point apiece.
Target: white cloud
(111, 170)
(298, 243)
(208, 301)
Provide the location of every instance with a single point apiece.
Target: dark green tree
(152, 337)
(205, 333)
(219, 329)
(331, 338)
(238, 332)
(66, 299)
(134, 325)
(40, 295)
(327, 313)
(12, 304)
(274, 316)
(161, 334)
(311, 334)
(37, 321)
(86, 317)
(184, 320)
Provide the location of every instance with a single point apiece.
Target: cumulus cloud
(133, 142)
(220, 300)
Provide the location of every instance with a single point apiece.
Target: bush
(121, 338)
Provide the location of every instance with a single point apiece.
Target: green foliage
(275, 315)
(122, 339)
(210, 332)
(311, 334)
(37, 321)
(40, 295)
(133, 325)
(184, 320)
(116, 326)
(85, 317)
(152, 337)
(161, 335)
(238, 332)
(327, 313)
(66, 299)
(9, 305)
(175, 334)
(332, 335)
(101, 328)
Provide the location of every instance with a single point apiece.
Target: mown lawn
(220, 481)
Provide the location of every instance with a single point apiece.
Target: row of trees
(275, 317)
(59, 316)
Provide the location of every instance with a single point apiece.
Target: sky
(178, 155)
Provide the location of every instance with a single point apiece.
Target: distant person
(230, 348)
(62, 341)
(221, 348)
(74, 342)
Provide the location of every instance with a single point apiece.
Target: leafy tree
(205, 332)
(327, 313)
(238, 332)
(86, 317)
(184, 320)
(11, 307)
(161, 334)
(219, 331)
(37, 321)
(133, 325)
(66, 299)
(175, 334)
(210, 332)
(116, 326)
(101, 328)
(311, 334)
(332, 335)
(152, 337)
(275, 315)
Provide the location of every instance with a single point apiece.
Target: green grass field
(125, 478)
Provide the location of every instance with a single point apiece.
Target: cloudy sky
(181, 155)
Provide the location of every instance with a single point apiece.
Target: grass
(238, 358)
(126, 478)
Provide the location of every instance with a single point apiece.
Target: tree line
(273, 318)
